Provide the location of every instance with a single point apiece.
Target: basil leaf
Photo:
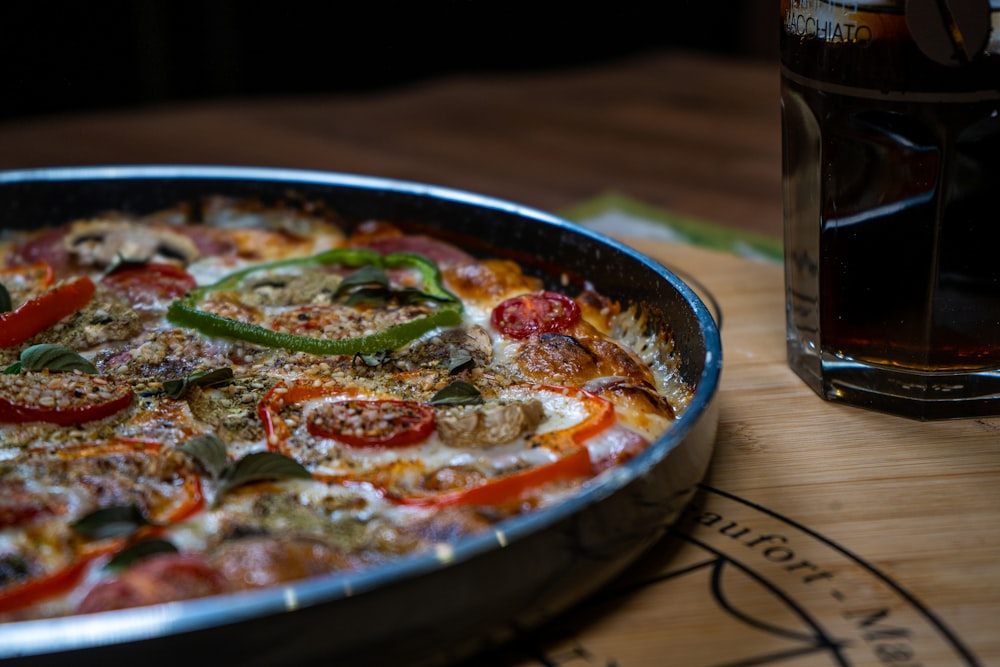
(367, 276)
(460, 361)
(106, 522)
(373, 359)
(137, 551)
(13, 369)
(209, 452)
(370, 284)
(5, 303)
(55, 358)
(376, 296)
(213, 378)
(458, 392)
(257, 467)
(15, 566)
(410, 295)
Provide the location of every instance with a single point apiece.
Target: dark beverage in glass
(891, 174)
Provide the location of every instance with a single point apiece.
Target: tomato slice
(149, 283)
(372, 423)
(537, 313)
(65, 399)
(38, 314)
(353, 421)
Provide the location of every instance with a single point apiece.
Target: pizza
(227, 395)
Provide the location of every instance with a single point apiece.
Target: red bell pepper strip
(188, 496)
(38, 314)
(35, 590)
(283, 394)
(35, 276)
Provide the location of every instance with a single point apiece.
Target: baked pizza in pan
(227, 395)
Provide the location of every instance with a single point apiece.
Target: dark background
(58, 57)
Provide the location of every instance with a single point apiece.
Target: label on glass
(916, 46)
(836, 22)
(948, 32)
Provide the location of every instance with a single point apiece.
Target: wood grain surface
(824, 534)
(696, 135)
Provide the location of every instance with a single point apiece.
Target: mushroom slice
(102, 242)
(489, 425)
(448, 348)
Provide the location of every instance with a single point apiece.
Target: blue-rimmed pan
(431, 608)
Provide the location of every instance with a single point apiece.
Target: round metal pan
(425, 609)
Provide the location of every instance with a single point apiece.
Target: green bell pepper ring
(185, 312)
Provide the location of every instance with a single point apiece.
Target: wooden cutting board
(823, 534)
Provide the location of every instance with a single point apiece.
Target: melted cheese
(356, 515)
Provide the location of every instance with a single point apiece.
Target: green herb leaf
(257, 467)
(376, 296)
(459, 361)
(14, 567)
(458, 392)
(209, 452)
(367, 276)
(373, 359)
(13, 369)
(5, 303)
(137, 551)
(117, 521)
(370, 284)
(213, 378)
(410, 295)
(54, 358)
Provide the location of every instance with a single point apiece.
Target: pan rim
(38, 637)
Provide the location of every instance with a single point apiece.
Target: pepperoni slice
(149, 283)
(46, 247)
(155, 579)
(439, 252)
